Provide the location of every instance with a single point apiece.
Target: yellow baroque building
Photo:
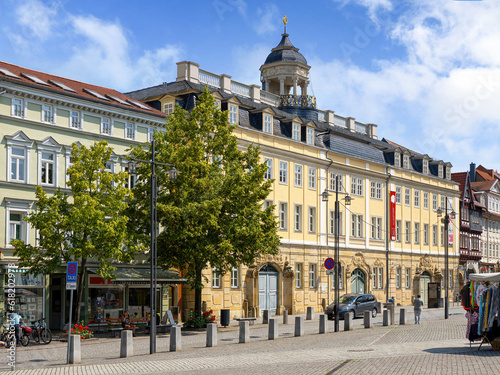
(305, 149)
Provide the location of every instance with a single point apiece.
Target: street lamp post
(446, 220)
(154, 232)
(336, 266)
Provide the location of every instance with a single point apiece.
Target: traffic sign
(330, 272)
(329, 263)
(71, 275)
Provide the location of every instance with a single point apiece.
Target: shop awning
(143, 276)
(492, 277)
(17, 269)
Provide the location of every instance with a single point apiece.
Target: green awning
(143, 276)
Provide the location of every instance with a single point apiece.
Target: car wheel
(352, 314)
(374, 312)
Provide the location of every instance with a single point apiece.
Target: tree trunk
(79, 291)
(197, 291)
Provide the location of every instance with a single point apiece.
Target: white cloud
(37, 19)
(372, 5)
(246, 62)
(268, 19)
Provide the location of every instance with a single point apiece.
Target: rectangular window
(376, 228)
(235, 276)
(425, 167)
(267, 204)
(398, 194)
(151, 132)
(398, 278)
(333, 184)
(450, 279)
(443, 202)
(380, 277)
(298, 218)
(298, 275)
(426, 200)
(407, 196)
(129, 130)
(434, 235)
(283, 172)
(407, 278)
(407, 231)
(357, 186)
(312, 276)
(268, 124)
(312, 178)
(310, 136)
(105, 126)
(268, 175)
(375, 190)
(168, 108)
(341, 278)
(47, 168)
(215, 278)
(283, 214)
(74, 120)
(17, 164)
(47, 113)
(426, 234)
(296, 132)
(442, 235)
(297, 179)
(434, 202)
(356, 225)
(18, 107)
(233, 114)
(398, 230)
(374, 277)
(406, 162)
(332, 223)
(17, 227)
(312, 219)
(417, 233)
(417, 198)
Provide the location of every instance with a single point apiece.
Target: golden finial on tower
(285, 21)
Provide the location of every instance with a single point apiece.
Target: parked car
(354, 304)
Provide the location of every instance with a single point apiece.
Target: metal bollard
(273, 329)
(322, 323)
(265, 316)
(385, 320)
(310, 313)
(285, 317)
(299, 326)
(402, 317)
(348, 322)
(368, 319)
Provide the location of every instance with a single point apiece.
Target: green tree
(88, 224)
(212, 215)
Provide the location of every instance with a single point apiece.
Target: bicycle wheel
(25, 340)
(35, 336)
(46, 336)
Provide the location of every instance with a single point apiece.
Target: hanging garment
(472, 323)
(465, 297)
(495, 305)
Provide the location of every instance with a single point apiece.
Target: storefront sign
(393, 215)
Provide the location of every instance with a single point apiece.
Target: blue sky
(426, 72)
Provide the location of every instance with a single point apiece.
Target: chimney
(472, 173)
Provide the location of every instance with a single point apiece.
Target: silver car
(354, 304)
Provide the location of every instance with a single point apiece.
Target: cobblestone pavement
(437, 346)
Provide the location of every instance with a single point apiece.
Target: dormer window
(233, 114)
(310, 136)
(425, 167)
(440, 171)
(448, 173)
(296, 132)
(268, 124)
(397, 159)
(168, 108)
(406, 161)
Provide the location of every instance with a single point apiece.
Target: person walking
(417, 308)
(16, 319)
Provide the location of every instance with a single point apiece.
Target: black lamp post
(154, 232)
(446, 220)
(336, 266)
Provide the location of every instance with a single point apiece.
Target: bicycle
(41, 332)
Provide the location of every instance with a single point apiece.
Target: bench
(250, 320)
(163, 326)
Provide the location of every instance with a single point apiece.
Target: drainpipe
(387, 230)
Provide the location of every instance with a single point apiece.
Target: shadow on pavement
(486, 351)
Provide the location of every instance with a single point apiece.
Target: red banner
(393, 216)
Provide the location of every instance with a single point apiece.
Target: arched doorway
(425, 279)
(358, 281)
(268, 289)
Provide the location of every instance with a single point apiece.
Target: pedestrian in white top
(417, 308)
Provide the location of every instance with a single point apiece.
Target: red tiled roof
(460, 177)
(483, 185)
(76, 88)
(488, 173)
(401, 147)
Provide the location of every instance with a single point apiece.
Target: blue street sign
(71, 272)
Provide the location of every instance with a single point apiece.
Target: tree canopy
(88, 223)
(213, 214)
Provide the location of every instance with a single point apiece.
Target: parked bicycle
(40, 332)
(24, 335)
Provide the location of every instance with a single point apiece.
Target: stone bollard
(368, 319)
(299, 326)
(322, 323)
(380, 307)
(75, 353)
(348, 322)
(385, 320)
(265, 316)
(285, 317)
(175, 339)
(310, 313)
(211, 335)
(126, 344)
(402, 317)
(391, 314)
(244, 331)
(273, 329)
